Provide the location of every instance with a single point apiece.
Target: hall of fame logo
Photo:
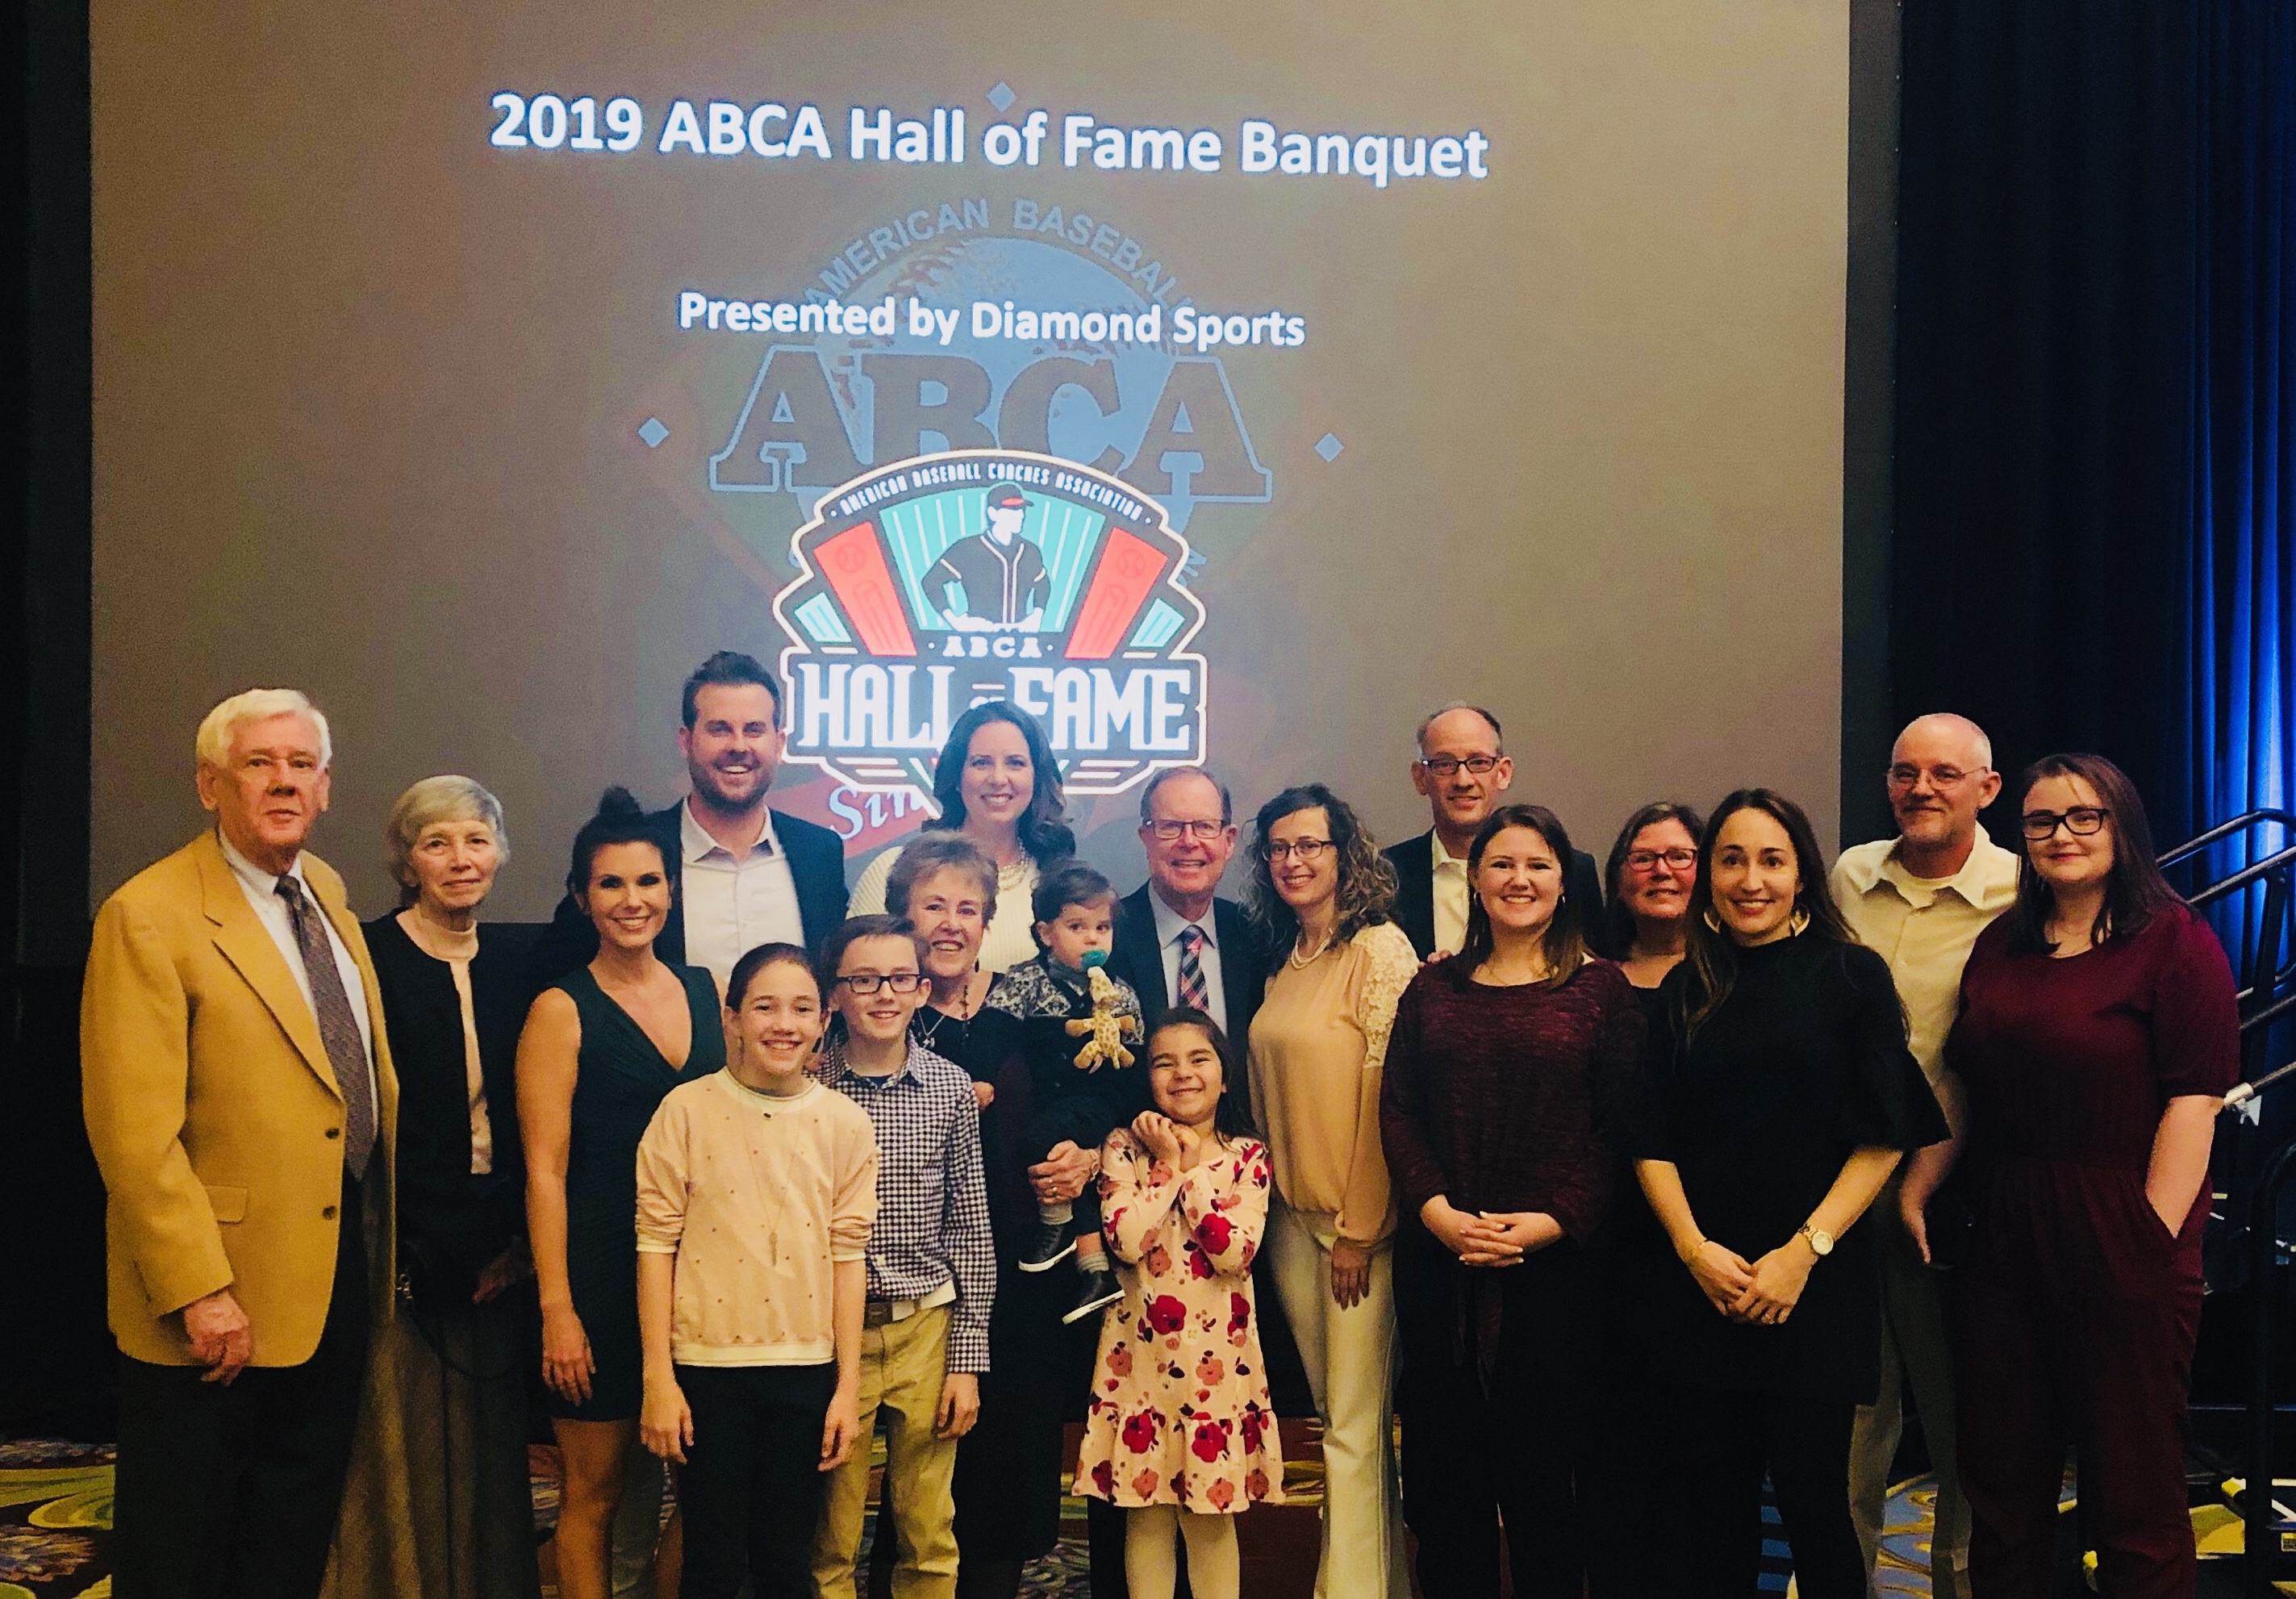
(932, 583)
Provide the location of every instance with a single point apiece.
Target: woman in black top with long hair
(1780, 1096)
(600, 1049)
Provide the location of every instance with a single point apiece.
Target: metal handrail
(2225, 830)
(2254, 872)
(2259, 1540)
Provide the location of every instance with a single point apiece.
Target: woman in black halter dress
(600, 1049)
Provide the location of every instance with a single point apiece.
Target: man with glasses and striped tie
(239, 1095)
(1176, 941)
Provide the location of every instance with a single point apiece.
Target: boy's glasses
(866, 983)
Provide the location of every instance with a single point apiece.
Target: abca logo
(931, 585)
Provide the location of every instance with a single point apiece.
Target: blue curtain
(2232, 719)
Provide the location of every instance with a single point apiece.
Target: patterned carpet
(55, 1510)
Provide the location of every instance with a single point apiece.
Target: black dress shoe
(1097, 1289)
(1049, 1242)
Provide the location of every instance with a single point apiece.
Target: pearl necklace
(1298, 964)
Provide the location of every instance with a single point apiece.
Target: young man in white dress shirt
(748, 874)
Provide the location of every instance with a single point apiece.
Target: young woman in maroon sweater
(2097, 1034)
(1507, 1064)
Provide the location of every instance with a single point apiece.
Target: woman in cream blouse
(1319, 893)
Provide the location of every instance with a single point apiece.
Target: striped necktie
(1192, 993)
(339, 1028)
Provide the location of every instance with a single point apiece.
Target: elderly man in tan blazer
(239, 1095)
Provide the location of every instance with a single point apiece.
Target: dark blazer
(1243, 974)
(817, 859)
(1413, 861)
(446, 1215)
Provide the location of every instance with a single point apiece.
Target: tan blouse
(458, 950)
(1318, 1044)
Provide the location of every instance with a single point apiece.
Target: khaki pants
(1917, 1345)
(1350, 1355)
(903, 1365)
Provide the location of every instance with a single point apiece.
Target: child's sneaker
(1096, 1288)
(1049, 1242)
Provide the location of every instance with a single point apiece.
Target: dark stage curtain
(2046, 312)
(2232, 718)
(2093, 542)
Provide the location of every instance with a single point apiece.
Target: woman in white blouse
(997, 784)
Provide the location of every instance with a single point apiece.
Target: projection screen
(480, 369)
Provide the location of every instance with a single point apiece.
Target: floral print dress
(1180, 1412)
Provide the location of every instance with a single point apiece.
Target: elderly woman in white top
(453, 1000)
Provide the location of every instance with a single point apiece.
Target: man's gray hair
(1148, 794)
(1419, 736)
(433, 800)
(212, 745)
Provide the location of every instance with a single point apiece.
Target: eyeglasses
(1940, 777)
(2081, 821)
(1306, 851)
(1643, 860)
(1448, 765)
(1172, 832)
(866, 983)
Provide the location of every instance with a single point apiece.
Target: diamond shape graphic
(651, 430)
(1329, 447)
(1002, 96)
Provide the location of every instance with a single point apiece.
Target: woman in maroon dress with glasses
(2098, 1033)
(1507, 1065)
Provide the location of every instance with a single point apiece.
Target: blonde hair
(446, 798)
(212, 746)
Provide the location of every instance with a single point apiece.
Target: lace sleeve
(1390, 965)
(869, 888)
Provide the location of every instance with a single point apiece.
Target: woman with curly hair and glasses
(1319, 894)
(997, 784)
(2097, 1034)
(1779, 1096)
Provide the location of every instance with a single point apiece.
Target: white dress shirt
(1450, 897)
(1168, 929)
(732, 906)
(262, 890)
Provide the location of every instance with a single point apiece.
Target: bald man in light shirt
(1920, 899)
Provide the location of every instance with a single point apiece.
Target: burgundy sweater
(1507, 1099)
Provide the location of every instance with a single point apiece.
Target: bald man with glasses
(1462, 770)
(1920, 898)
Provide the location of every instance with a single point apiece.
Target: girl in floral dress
(1181, 1432)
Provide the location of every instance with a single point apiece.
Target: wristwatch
(1820, 1241)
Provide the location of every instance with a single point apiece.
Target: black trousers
(751, 1486)
(1475, 1454)
(1629, 1436)
(1723, 1443)
(233, 1493)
